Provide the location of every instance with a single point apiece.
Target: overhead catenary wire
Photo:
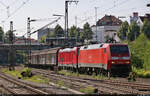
(43, 19)
(8, 7)
(10, 15)
(19, 7)
(3, 4)
(116, 5)
(87, 11)
(45, 26)
(13, 3)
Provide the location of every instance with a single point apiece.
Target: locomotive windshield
(119, 49)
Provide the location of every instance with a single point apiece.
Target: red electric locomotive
(68, 58)
(113, 58)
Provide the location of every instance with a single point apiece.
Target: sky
(19, 10)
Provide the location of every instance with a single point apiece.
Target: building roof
(24, 40)
(109, 20)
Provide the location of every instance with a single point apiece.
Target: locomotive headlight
(112, 62)
(128, 62)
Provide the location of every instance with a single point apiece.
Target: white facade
(103, 31)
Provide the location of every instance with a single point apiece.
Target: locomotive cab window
(119, 49)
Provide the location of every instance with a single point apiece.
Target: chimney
(135, 14)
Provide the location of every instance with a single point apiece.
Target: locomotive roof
(96, 46)
(67, 49)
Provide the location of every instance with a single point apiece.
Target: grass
(34, 78)
(37, 79)
(141, 72)
(87, 90)
(13, 73)
(68, 73)
(60, 83)
(100, 77)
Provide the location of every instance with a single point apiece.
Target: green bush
(141, 72)
(146, 74)
(140, 52)
(26, 72)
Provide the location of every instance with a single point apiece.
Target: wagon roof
(45, 51)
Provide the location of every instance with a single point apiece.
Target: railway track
(137, 86)
(47, 88)
(8, 89)
(104, 86)
(20, 86)
(133, 85)
(134, 88)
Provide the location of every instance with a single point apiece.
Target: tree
(133, 31)
(140, 52)
(109, 39)
(42, 39)
(8, 37)
(87, 32)
(58, 31)
(122, 32)
(1, 34)
(72, 31)
(146, 28)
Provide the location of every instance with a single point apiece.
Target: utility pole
(29, 40)
(11, 32)
(66, 15)
(28, 27)
(76, 21)
(96, 22)
(76, 29)
(11, 50)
